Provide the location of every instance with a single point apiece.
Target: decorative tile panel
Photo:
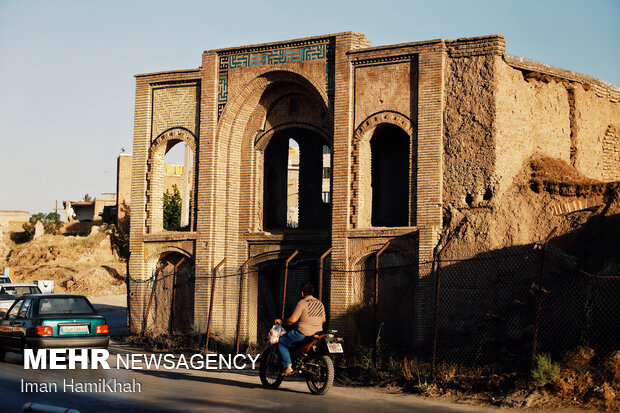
(271, 57)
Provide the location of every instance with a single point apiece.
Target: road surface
(185, 390)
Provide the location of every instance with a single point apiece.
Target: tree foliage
(172, 208)
(51, 223)
(88, 198)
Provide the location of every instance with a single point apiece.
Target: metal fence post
(211, 302)
(436, 316)
(241, 277)
(540, 298)
(128, 299)
(376, 303)
(288, 260)
(321, 273)
(148, 307)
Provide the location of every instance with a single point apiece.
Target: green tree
(172, 208)
(88, 198)
(51, 223)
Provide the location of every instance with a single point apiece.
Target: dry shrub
(611, 368)
(589, 380)
(579, 359)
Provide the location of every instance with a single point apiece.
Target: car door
(8, 339)
(21, 322)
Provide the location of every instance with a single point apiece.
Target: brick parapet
(476, 46)
(358, 40)
(170, 75)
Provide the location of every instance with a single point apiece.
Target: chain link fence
(497, 309)
(578, 308)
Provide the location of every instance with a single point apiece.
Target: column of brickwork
(123, 186)
(141, 139)
(343, 131)
(205, 177)
(155, 202)
(429, 175)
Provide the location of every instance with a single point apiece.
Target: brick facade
(238, 102)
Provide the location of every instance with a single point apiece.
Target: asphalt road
(114, 309)
(188, 390)
(198, 390)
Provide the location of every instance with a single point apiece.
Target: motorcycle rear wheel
(325, 379)
(269, 369)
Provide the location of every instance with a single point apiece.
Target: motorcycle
(312, 358)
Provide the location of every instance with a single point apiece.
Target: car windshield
(5, 280)
(13, 293)
(64, 305)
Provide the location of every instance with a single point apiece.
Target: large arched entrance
(271, 275)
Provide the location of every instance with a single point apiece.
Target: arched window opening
(178, 186)
(293, 181)
(389, 148)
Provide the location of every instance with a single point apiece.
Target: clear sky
(66, 67)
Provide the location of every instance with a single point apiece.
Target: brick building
(411, 131)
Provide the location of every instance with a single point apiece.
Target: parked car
(41, 321)
(11, 292)
(5, 279)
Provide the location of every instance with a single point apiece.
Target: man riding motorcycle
(310, 313)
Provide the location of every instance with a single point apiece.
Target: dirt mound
(76, 264)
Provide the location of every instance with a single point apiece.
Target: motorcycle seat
(305, 345)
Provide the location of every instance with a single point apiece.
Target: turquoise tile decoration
(270, 57)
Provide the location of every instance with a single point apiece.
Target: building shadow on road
(172, 375)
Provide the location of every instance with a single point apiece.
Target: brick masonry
(230, 108)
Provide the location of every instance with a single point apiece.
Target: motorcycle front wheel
(322, 379)
(269, 368)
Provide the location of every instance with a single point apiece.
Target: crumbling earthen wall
(533, 117)
(469, 124)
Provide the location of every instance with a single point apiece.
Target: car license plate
(334, 347)
(70, 329)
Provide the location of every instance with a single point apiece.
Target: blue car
(41, 321)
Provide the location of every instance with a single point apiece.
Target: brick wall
(143, 198)
(123, 185)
